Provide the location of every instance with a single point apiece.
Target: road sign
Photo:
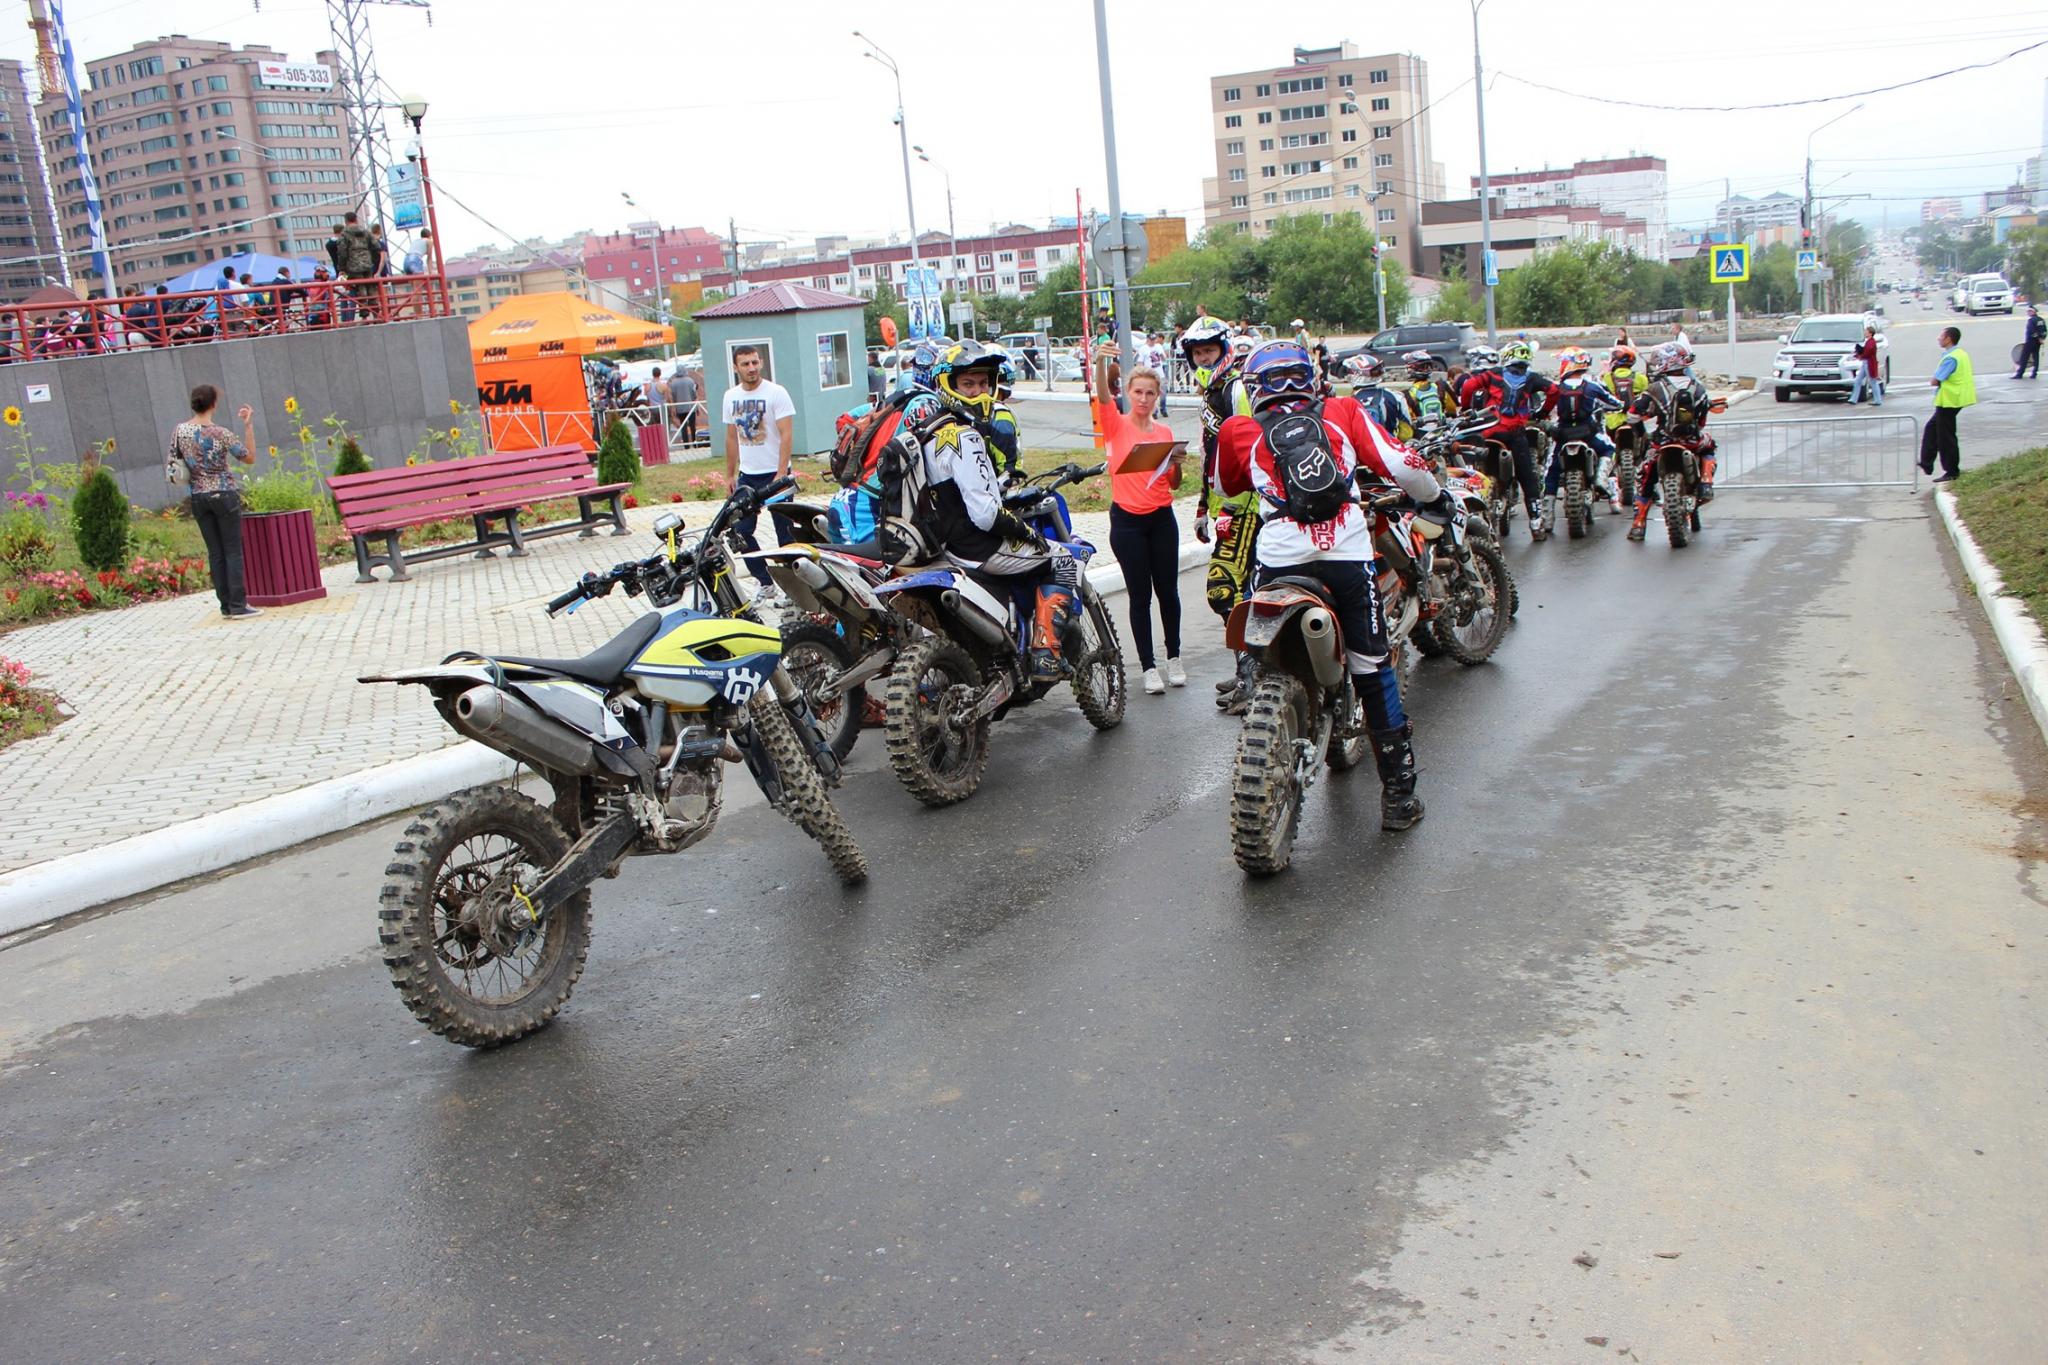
(1809, 260)
(1731, 264)
(1131, 240)
(1492, 269)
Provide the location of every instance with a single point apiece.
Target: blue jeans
(1870, 382)
(744, 526)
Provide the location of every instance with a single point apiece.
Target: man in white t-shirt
(759, 425)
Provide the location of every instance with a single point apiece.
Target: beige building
(1286, 145)
(202, 150)
(476, 285)
(28, 239)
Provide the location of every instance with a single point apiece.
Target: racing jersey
(1223, 397)
(964, 483)
(1517, 404)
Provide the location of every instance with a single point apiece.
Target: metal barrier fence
(525, 428)
(1823, 452)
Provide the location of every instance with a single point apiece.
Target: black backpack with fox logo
(1313, 488)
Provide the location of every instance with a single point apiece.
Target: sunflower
(455, 406)
(305, 435)
(273, 452)
(411, 460)
(291, 407)
(455, 433)
(12, 416)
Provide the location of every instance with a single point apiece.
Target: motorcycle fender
(1674, 460)
(447, 673)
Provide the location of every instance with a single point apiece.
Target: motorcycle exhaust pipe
(496, 718)
(988, 630)
(1320, 632)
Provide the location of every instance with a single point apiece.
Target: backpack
(860, 440)
(1574, 404)
(358, 257)
(1313, 488)
(1429, 402)
(909, 528)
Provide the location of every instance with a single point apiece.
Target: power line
(1776, 104)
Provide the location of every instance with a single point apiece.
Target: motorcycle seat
(604, 665)
(867, 549)
(1306, 584)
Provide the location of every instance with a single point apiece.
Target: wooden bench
(490, 490)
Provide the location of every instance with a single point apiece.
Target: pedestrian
(334, 244)
(759, 425)
(1621, 338)
(1301, 334)
(416, 255)
(1161, 361)
(1866, 376)
(2030, 345)
(682, 393)
(1678, 335)
(356, 261)
(1955, 388)
(380, 250)
(202, 456)
(878, 383)
(1143, 534)
(655, 393)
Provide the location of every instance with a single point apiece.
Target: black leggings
(1147, 549)
(219, 519)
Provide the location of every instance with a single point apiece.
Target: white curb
(2018, 634)
(45, 891)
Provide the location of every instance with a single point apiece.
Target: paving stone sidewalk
(181, 714)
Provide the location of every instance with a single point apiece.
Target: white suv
(1988, 294)
(1819, 355)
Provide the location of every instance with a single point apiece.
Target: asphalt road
(1695, 1022)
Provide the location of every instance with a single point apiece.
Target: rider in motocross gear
(1366, 372)
(1219, 379)
(1679, 405)
(1627, 382)
(1002, 427)
(977, 531)
(1337, 553)
(1520, 397)
(1577, 410)
(1431, 400)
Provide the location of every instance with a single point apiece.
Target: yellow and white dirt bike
(485, 911)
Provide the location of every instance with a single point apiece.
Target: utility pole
(1119, 274)
(732, 237)
(1485, 187)
(916, 277)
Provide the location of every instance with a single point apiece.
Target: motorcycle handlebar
(569, 598)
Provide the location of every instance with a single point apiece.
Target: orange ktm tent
(529, 365)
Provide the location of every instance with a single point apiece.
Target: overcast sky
(543, 113)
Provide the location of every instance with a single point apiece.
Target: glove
(1202, 528)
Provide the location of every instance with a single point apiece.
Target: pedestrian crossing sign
(1731, 264)
(1809, 260)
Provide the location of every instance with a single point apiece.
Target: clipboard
(1156, 456)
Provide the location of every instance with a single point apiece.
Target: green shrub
(350, 458)
(618, 459)
(99, 521)
(31, 602)
(25, 542)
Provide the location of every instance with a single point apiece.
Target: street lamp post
(1806, 212)
(1119, 263)
(415, 110)
(1379, 269)
(1485, 186)
(952, 238)
(660, 291)
(876, 54)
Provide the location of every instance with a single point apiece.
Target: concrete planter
(280, 558)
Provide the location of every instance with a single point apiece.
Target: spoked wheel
(812, 653)
(937, 757)
(1345, 752)
(1475, 621)
(804, 798)
(1677, 525)
(456, 941)
(1265, 800)
(1578, 513)
(1099, 672)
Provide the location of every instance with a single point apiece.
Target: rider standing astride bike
(1627, 382)
(975, 529)
(1367, 373)
(1679, 405)
(1520, 396)
(1219, 378)
(1577, 404)
(1338, 552)
(1431, 401)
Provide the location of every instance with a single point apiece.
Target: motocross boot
(1055, 608)
(1539, 529)
(1639, 527)
(1238, 699)
(1707, 466)
(1400, 807)
(1549, 513)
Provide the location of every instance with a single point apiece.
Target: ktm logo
(605, 344)
(551, 347)
(496, 352)
(515, 325)
(503, 392)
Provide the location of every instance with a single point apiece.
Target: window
(1234, 147)
(166, 191)
(1027, 279)
(1244, 226)
(232, 178)
(1350, 163)
(1265, 115)
(1270, 197)
(1384, 216)
(1391, 242)
(1303, 167)
(1304, 85)
(222, 109)
(215, 83)
(153, 121)
(1238, 201)
(1351, 191)
(1232, 94)
(1237, 173)
(1351, 135)
(985, 284)
(1381, 130)
(1265, 144)
(1382, 105)
(238, 201)
(1301, 113)
(835, 361)
(160, 167)
(1268, 172)
(1235, 121)
(1379, 77)
(1303, 196)
(1384, 187)
(1382, 161)
(149, 66)
(1343, 80)
(166, 214)
(1305, 140)
(1263, 91)
(982, 261)
(157, 144)
(1054, 254)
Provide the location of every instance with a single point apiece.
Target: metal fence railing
(527, 428)
(1825, 452)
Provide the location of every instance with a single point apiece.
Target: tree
(1323, 273)
(1455, 301)
(885, 304)
(99, 520)
(1773, 282)
(1054, 298)
(618, 460)
(2026, 260)
(1208, 274)
(1568, 285)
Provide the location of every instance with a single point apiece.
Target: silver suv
(1820, 355)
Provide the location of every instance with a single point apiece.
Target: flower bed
(24, 710)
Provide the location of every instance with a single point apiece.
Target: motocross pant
(1044, 587)
(1518, 443)
(1646, 472)
(1553, 478)
(1354, 592)
(1229, 576)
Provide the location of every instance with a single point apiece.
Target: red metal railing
(145, 322)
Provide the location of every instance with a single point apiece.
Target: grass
(2006, 506)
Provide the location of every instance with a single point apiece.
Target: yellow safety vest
(1959, 390)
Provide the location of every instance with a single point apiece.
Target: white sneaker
(1176, 676)
(1154, 684)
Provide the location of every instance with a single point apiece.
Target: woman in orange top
(1143, 534)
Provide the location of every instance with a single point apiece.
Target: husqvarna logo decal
(741, 684)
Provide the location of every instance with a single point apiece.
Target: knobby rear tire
(905, 729)
(1578, 518)
(1671, 488)
(804, 799)
(418, 882)
(1100, 688)
(1488, 565)
(1265, 802)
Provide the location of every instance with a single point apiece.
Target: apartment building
(28, 238)
(201, 150)
(625, 262)
(477, 284)
(1008, 260)
(1631, 186)
(1745, 215)
(1285, 144)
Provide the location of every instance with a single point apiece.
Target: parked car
(1819, 355)
(1988, 294)
(1959, 293)
(1446, 343)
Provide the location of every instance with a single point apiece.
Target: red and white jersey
(1244, 463)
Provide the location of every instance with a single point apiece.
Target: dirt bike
(1617, 474)
(1443, 588)
(1678, 485)
(968, 664)
(1475, 494)
(1580, 465)
(485, 910)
